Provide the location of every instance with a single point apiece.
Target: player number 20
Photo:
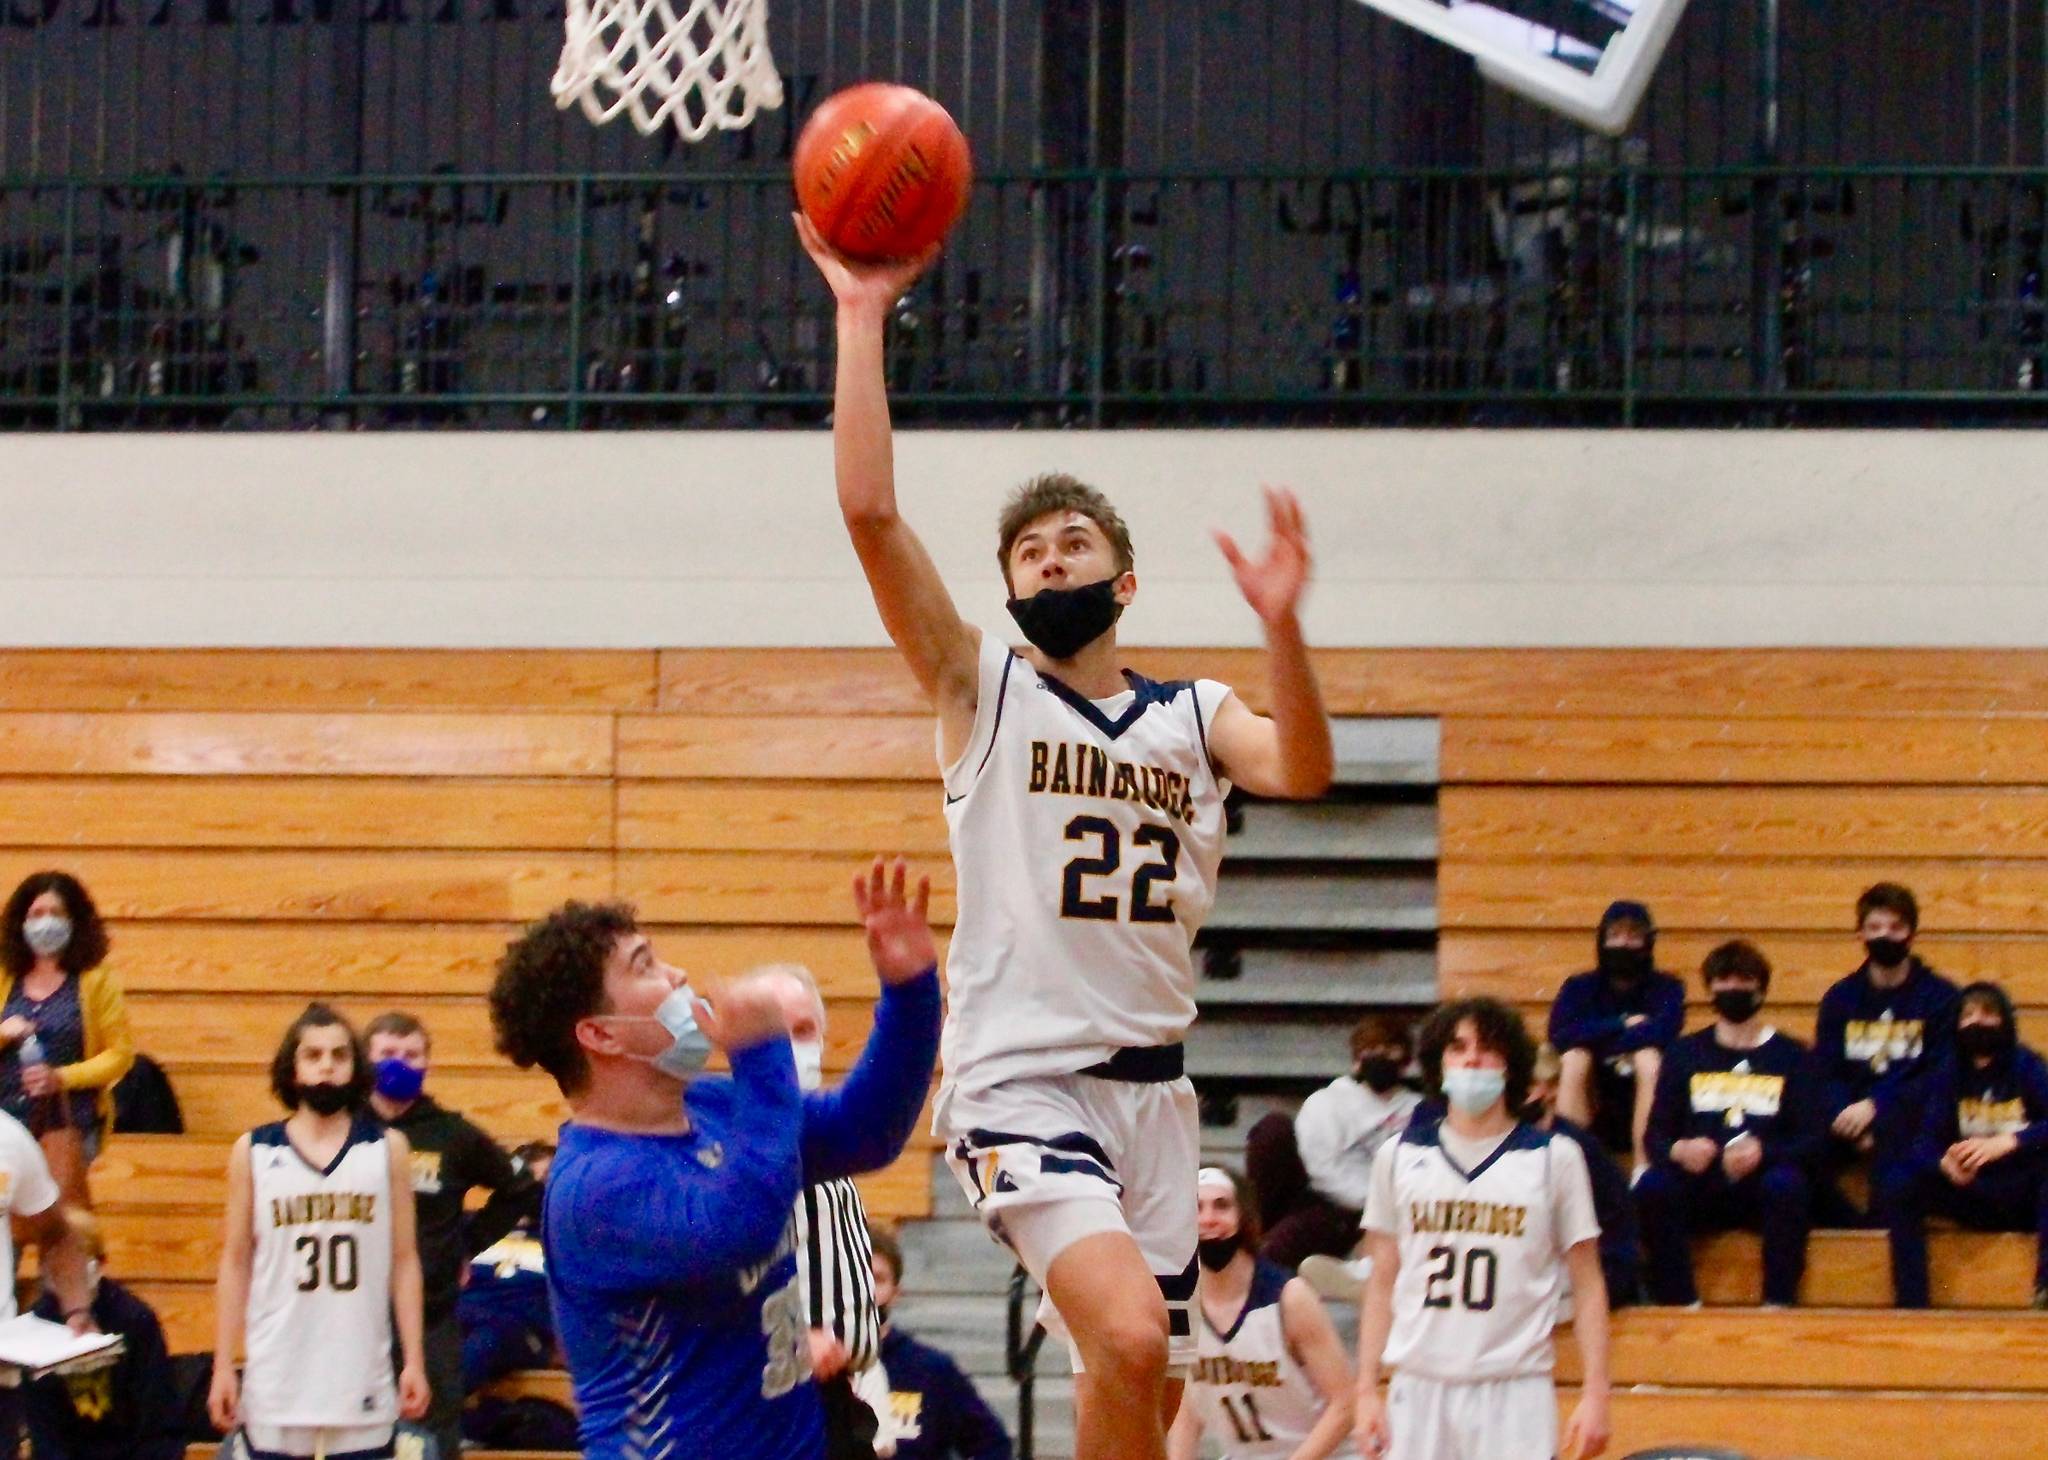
(337, 1256)
(1474, 1290)
(1160, 867)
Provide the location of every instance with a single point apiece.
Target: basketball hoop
(1599, 86)
(700, 65)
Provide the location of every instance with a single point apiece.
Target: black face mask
(1379, 1072)
(1886, 952)
(1061, 622)
(1738, 1005)
(1216, 1252)
(1625, 965)
(326, 1099)
(1983, 1041)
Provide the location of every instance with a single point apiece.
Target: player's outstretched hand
(1273, 584)
(744, 1014)
(1587, 1432)
(899, 933)
(413, 1393)
(1369, 1424)
(224, 1398)
(875, 286)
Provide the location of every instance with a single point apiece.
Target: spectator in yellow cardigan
(63, 1024)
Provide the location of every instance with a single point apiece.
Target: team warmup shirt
(1870, 1041)
(671, 1259)
(318, 1334)
(1708, 1089)
(1482, 1233)
(937, 1413)
(1592, 1011)
(1087, 836)
(1965, 1101)
(1253, 1398)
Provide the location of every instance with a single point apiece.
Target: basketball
(881, 171)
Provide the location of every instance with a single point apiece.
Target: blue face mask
(397, 1080)
(1474, 1091)
(689, 1049)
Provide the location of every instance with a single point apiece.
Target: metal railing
(1613, 295)
(1021, 1344)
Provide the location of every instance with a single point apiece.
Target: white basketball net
(701, 65)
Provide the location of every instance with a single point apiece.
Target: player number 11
(1248, 1425)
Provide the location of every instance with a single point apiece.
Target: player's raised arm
(1289, 754)
(915, 606)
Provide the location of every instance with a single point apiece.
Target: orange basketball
(881, 171)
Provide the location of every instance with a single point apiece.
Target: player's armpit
(1259, 755)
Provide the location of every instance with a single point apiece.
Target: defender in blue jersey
(667, 1226)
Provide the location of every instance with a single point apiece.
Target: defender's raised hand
(899, 934)
(1273, 584)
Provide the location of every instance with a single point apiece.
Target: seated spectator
(1621, 1253)
(1878, 1030)
(1610, 1026)
(503, 1310)
(131, 1409)
(1730, 1136)
(1311, 1174)
(63, 1024)
(934, 1412)
(1980, 1155)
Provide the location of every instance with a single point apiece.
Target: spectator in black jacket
(450, 1157)
(127, 1411)
(1980, 1156)
(1610, 1026)
(1621, 1252)
(1878, 1030)
(1731, 1135)
(935, 1413)
(506, 1322)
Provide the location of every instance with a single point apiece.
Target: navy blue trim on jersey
(1073, 1142)
(362, 1131)
(1269, 1279)
(1002, 693)
(1145, 694)
(1426, 1130)
(1202, 734)
(1179, 1293)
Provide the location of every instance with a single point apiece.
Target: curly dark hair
(551, 976)
(1500, 1029)
(88, 946)
(1736, 959)
(1058, 492)
(284, 1065)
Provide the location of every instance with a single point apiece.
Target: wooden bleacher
(371, 827)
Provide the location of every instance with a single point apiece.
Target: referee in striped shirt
(835, 1259)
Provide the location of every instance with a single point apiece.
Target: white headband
(1214, 1176)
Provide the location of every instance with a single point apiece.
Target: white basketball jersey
(1482, 1251)
(319, 1325)
(1086, 837)
(1253, 1399)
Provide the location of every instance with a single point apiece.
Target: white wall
(643, 539)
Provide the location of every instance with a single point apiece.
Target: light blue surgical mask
(689, 1049)
(1474, 1091)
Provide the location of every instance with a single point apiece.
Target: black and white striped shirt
(834, 1270)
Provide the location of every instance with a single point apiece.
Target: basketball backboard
(1590, 60)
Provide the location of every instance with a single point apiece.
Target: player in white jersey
(1270, 1381)
(1473, 1223)
(316, 1259)
(1086, 809)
